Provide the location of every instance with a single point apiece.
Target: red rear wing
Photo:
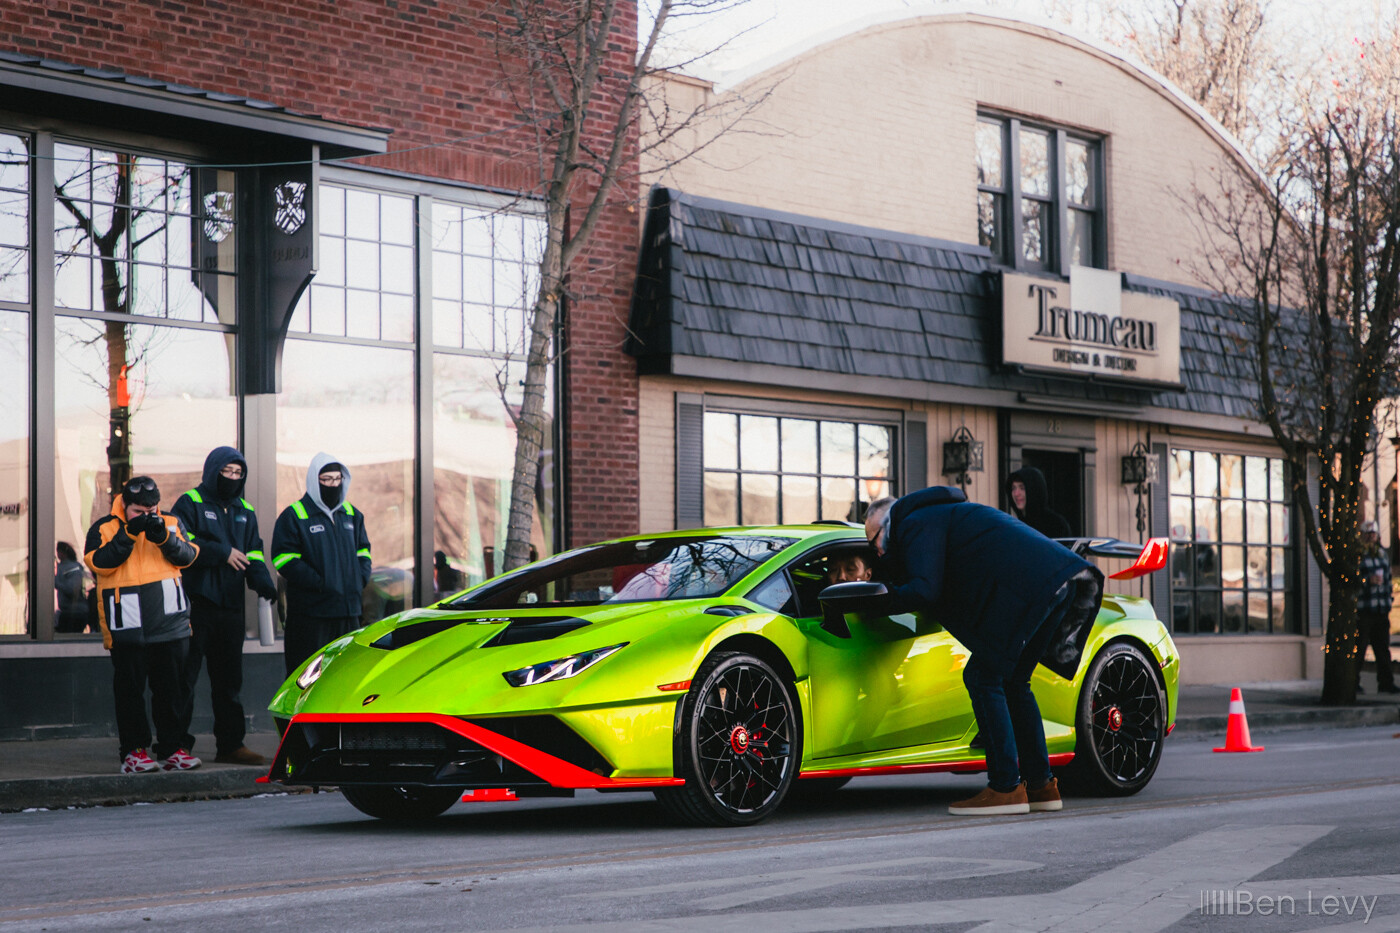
(1150, 557)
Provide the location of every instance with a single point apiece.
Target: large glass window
(764, 470)
(1039, 195)
(129, 237)
(356, 404)
(473, 460)
(364, 288)
(485, 277)
(14, 472)
(14, 218)
(1231, 553)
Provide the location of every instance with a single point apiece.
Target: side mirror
(841, 598)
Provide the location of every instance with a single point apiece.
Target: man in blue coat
(1014, 598)
(320, 547)
(230, 561)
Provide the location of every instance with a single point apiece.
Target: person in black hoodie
(321, 548)
(1014, 599)
(1029, 496)
(230, 559)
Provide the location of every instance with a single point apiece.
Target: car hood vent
(408, 634)
(534, 628)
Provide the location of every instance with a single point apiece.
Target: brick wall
(429, 71)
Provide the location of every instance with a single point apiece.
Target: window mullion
(42, 407)
(1059, 252)
(1013, 194)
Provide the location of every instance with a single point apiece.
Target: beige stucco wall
(876, 128)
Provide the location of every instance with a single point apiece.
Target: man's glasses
(330, 479)
(232, 471)
(143, 485)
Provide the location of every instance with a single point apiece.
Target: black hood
(219, 458)
(1037, 491)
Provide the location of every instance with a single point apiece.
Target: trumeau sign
(1090, 327)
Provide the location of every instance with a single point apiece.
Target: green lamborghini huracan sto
(705, 666)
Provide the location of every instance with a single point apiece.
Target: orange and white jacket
(140, 599)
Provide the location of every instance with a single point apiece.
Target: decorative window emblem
(218, 216)
(291, 209)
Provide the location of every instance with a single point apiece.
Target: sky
(750, 32)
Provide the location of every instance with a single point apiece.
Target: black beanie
(141, 490)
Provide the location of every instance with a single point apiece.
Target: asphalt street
(1304, 836)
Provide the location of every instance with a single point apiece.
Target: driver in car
(848, 568)
(1013, 598)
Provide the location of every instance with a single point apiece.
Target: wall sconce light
(962, 455)
(1139, 471)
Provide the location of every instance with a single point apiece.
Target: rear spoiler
(1147, 558)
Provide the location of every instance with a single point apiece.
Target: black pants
(217, 638)
(305, 635)
(1375, 632)
(162, 665)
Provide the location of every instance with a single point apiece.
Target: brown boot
(242, 755)
(1045, 798)
(993, 803)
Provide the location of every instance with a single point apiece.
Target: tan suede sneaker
(993, 803)
(1046, 798)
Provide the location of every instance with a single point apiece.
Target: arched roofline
(899, 19)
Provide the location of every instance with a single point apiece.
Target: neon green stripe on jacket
(282, 559)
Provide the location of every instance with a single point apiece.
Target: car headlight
(559, 669)
(312, 672)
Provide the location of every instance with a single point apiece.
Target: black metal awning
(232, 124)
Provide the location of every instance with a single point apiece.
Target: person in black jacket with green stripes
(230, 559)
(320, 547)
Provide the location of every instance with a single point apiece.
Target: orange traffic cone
(1237, 727)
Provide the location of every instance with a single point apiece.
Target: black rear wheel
(401, 804)
(740, 743)
(1119, 725)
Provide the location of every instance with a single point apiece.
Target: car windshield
(630, 572)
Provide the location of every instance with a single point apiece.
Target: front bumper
(431, 749)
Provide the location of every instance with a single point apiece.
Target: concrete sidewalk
(60, 773)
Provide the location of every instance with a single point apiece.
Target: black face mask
(226, 488)
(330, 495)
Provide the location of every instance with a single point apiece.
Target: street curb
(121, 789)
(1283, 720)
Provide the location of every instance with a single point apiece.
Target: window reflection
(130, 237)
(14, 472)
(485, 274)
(14, 218)
(134, 398)
(355, 403)
(474, 456)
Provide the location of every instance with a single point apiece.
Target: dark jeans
(1007, 714)
(162, 666)
(1375, 632)
(217, 639)
(305, 635)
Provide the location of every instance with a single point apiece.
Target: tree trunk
(1341, 660)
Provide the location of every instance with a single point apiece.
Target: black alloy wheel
(1120, 724)
(740, 743)
(401, 804)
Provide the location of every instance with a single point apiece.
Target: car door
(895, 683)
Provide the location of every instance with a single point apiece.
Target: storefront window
(763, 470)
(130, 399)
(473, 460)
(356, 404)
(130, 238)
(1231, 554)
(14, 218)
(364, 287)
(14, 472)
(485, 274)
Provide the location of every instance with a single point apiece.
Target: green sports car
(706, 666)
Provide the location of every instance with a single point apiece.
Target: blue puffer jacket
(986, 577)
(217, 524)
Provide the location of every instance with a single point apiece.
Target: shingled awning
(782, 293)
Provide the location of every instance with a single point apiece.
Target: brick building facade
(422, 198)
